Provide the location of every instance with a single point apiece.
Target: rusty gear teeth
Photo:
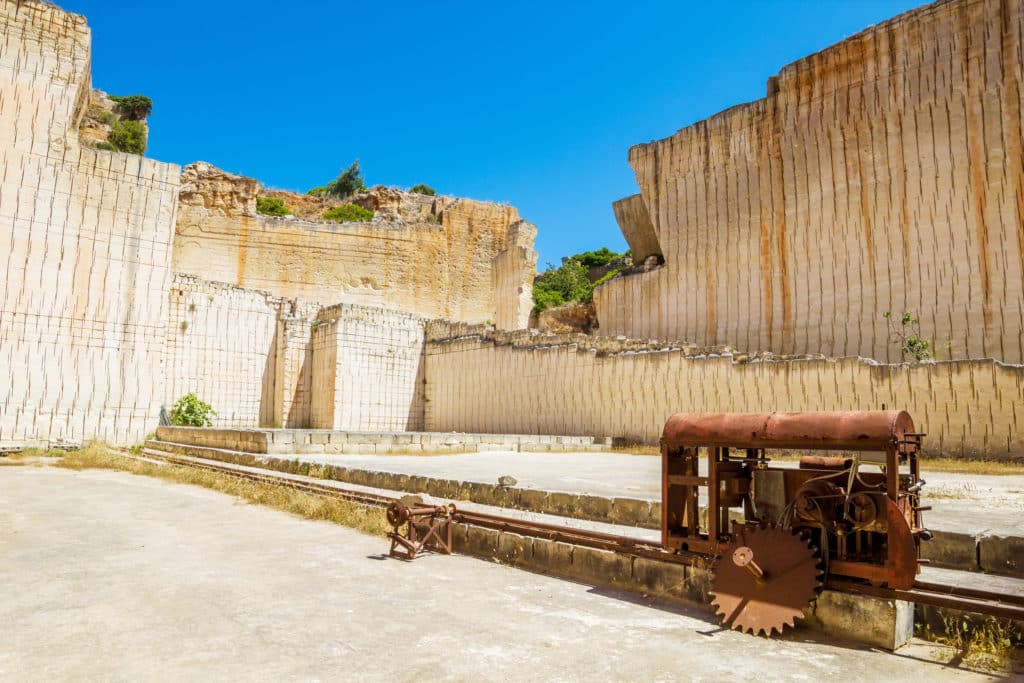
(764, 580)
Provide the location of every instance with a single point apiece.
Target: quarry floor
(962, 503)
(110, 576)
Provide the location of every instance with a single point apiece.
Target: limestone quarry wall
(262, 360)
(442, 269)
(883, 173)
(220, 343)
(368, 370)
(575, 385)
(85, 248)
(513, 271)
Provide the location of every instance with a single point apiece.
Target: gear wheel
(765, 579)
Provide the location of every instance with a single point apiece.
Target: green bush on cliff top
(271, 206)
(128, 136)
(348, 213)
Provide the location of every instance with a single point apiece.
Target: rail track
(969, 600)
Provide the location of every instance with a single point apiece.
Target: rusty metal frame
(687, 435)
(434, 521)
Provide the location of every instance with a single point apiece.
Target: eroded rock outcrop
(100, 115)
(567, 319)
(431, 256)
(204, 187)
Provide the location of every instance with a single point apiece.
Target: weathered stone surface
(551, 556)
(888, 624)
(567, 319)
(482, 542)
(512, 275)
(1002, 555)
(601, 567)
(635, 224)
(483, 381)
(514, 549)
(792, 222)
(951, 550)
(86, 238)
(660, 579)
(430, 256)
(630, 511)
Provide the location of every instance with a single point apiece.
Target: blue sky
(531, 103)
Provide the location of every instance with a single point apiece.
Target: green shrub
(105, 146)
(134, 107)
(317, 192)
(599, 257)
(348, 182)
(569, 282)
(423, 189)
(557, 286)
(348, 213)
(271, 206)
(128, 136)
(606, 277)
(189, 411)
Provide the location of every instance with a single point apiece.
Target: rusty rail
(925, 593)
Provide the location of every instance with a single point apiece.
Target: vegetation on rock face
(907, 333)
(558, 286)
(133, 107)
(348, 183)
(422, 189)
(606, 277)
(348, 213)
(599, 257)
(189, 411)
(570, 281)
(271, 206)
(126, 136)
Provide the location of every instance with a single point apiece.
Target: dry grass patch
(995, 467)
(310, 506)
(636, 449)
(29, 456)
(952, 492)
(985, 643)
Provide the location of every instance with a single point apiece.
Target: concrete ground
(962, 503)
(108, 576)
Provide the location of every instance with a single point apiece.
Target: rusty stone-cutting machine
(777, 532)
(845, 516)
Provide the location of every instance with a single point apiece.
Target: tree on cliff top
(133, 107)
(348, 183)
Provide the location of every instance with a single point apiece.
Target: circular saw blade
(764, 580)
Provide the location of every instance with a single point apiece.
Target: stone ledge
(887, 624)
(333, 442)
